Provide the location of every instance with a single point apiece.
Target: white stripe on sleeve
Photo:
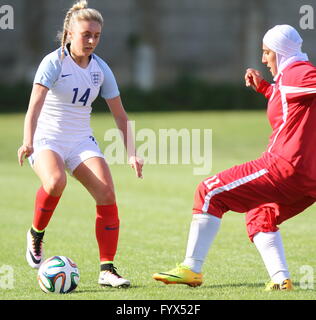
(289, 89)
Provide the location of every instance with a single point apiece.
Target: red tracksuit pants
(267, 189)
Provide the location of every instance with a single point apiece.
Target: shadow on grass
(260, 285)
(104, 289)
(238, 285)
(234, 285)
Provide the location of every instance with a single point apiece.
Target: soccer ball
(58, 274)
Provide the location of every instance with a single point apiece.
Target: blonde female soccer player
(58, 136)
(273, 188)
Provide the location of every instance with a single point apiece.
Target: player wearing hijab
(273, 188)
(58, 136)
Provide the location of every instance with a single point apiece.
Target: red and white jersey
(292, 115)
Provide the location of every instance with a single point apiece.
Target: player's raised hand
(24, 152)
(253, 78)
(137, 164)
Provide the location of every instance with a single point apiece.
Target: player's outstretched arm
(123, 124)
(37, 99)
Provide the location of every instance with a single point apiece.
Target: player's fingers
(21, 153)
(24, 152)
(139, 169)
(248, 79)
(137, 164)
(252, 72)
(257, 75)
(248, 82)
(257, 80)
(247, 75)
(253, 78)
(134, 165)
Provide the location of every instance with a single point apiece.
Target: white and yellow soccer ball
(58, 274)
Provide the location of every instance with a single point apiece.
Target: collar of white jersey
(67, 53)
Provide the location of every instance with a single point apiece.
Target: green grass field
(155, 215)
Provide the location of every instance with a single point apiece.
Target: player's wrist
(135, 159)
(132, 156)
(262, 85)
(27, 144)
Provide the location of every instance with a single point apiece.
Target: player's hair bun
(82, 4)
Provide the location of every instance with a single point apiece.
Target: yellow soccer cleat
(180, 275)
(286, 285)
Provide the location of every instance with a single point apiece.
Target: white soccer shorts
(72, 153)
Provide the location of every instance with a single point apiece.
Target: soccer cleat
(34, 248)
(180, 275)
(111, 278)
(286, 285)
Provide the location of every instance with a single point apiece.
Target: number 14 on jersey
(83, 99)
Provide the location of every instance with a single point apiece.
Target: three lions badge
(96, 78)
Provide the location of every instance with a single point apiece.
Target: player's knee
(200, 186)
(56, 184)
(201, 190)
(205, 203)
(105, 196)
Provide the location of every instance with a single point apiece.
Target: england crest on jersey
(96, 78)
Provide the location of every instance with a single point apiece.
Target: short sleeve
(48, 70)
(109, 88)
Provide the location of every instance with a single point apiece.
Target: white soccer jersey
(72, 89)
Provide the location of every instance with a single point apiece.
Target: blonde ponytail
(79, 11)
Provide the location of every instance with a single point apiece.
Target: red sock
(107, 231)
(45, 205)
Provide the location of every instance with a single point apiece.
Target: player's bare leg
(50, 169)
(95, 175)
